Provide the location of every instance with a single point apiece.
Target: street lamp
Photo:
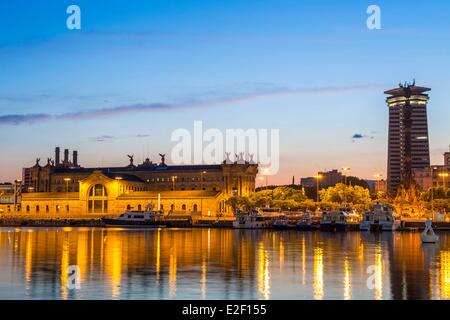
(118, 183)
(444, 175)
(173, 182)
(201, 179)
(344, 169)
(318, 177)
(432, 188)
(67, 184)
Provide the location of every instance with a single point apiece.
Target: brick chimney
(66, 156)
(75, 158)
(57, 159)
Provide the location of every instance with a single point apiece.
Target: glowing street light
(345, 169)
(173, 182)
(201, 179)
(443, 175)
(118, 183)
(67, 183)
(318, 177)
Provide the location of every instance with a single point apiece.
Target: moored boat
(147, 218)
(380, 218)
(343, 219)
(260, 219)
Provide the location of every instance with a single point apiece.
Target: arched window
(47, 208)
(128, 206)
(67, 208)
(97, 199)
(37, 208)
(139, 207)
(28, 208)
(195, 208)
(183, 207)
(172, 207)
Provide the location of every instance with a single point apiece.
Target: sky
(138, 70)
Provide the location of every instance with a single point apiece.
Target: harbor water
(203, 263)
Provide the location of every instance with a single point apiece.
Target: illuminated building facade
(65, 186)
(408, 145)
(437, 176)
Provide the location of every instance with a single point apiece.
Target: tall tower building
(408, 146)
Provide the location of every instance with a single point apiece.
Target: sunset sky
(138, 70)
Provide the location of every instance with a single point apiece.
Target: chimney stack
(57, 161)
(66, 156)
(75, 158)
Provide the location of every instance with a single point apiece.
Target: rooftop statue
(163, 159)
(227, 159)
(131, 159)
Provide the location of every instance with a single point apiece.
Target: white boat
(287, 220)
(136, 219)
(339, 220)
(261, 219)
(428, 235)
(380, 218)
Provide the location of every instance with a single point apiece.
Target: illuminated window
(97, 200)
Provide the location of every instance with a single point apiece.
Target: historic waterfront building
(66, 187)
(436, 176)
(408, 145)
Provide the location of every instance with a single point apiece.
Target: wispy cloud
(211, 100)
(360, 136)
(110, 138)
(104, 138)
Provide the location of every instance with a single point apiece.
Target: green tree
(355, 195)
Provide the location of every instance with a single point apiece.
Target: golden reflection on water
(263, 273)
(444, 284)
(173, 272)
(318, 273)
(28, 259)
(64, 264)
(347, 281)
(378, 273)
(303, 260)
(221, 264)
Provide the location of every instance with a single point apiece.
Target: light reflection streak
(444, 284)
(303, 261)
(318, 274)
(347, 282)
(378, 274)
(64, 264)
(203, 280)
(263, 272)
(173, 272)
(28, 259)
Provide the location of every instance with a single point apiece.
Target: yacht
(136, 218)
(288, 220)
(308, 222)
(342, 219)
(260, 219)
(380, 218)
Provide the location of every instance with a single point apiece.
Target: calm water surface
(221, 264)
